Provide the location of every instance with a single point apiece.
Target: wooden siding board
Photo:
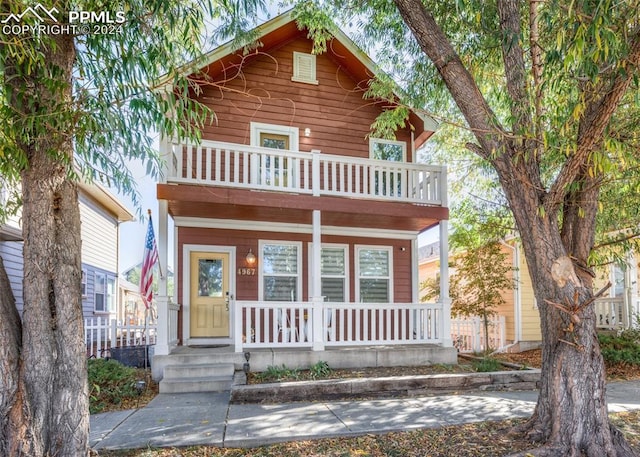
(334, 107)
(11, 253)
(99, 231)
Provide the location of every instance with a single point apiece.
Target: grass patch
(487, 364)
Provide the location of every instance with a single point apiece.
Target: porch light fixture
(250, 258)
(307, 131)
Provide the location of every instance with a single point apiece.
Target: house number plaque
(246, 271)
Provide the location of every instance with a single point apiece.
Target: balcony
(305, 173)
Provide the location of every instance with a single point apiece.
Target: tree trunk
(570, 417)
(50, 414)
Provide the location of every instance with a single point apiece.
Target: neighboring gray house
(101, 214)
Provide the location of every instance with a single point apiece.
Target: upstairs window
(304, 68)
(391, 150)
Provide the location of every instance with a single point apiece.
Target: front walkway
(209, 419)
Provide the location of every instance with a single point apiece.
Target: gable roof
(284, 28)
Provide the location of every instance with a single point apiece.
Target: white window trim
(256, 128)
(312, 59)
(358, 248)
(261, 244)
(347, 283)
(373, 141)
(83, 282)
(96, 275)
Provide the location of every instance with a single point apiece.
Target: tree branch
(455, 75)
(598, 115)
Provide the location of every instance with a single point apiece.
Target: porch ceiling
(240, 204)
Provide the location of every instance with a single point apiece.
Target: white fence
(236, 165)
(101, 334)
(467, 334)
(290, 324)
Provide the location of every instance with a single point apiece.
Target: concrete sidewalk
(209, 419)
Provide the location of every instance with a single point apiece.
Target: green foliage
(278, 373)
(623, 348)
(320, 370)
(128, 87)
(109, 384)
(487, 364)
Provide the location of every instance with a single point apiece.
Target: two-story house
(295, 227)
(101, 214)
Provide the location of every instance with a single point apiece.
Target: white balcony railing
(611, 313)
(247, 167)
(290, 324)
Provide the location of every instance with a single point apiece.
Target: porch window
(280, 271)
(374, 266)
(333, 267)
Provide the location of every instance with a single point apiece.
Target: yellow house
(520, 311)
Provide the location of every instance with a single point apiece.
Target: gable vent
(304, 68)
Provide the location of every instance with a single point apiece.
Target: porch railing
(467, 334)
(611, 313)
(248, 167)
(101, 334)
(290, 324)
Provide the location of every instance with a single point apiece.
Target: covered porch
(228, 199)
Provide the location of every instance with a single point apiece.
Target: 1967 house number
(246, 271)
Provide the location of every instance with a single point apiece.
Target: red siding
(262, 91)
(247, 286)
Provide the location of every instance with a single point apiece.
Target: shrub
(623, 348)
(109, 384)
(320, 370)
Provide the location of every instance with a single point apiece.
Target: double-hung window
(100, 292)
(104, 291)
(281, 267)
(333, 268)
(374, 266)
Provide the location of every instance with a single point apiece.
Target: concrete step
(197, 377)
(196, 384)
(198, 370)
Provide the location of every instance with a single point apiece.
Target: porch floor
(339, 358)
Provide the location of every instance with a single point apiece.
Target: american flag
(149, 260)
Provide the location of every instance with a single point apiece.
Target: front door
(209, 294)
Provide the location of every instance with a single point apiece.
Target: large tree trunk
(571, 414)
(49, 415)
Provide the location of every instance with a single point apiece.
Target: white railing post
(315, 172)
(444, 284)
(237, 327)
(113, 330)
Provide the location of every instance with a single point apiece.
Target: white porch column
(316, 284)
(162, 300)
(444, 284)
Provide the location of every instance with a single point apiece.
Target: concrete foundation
(339, 358)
